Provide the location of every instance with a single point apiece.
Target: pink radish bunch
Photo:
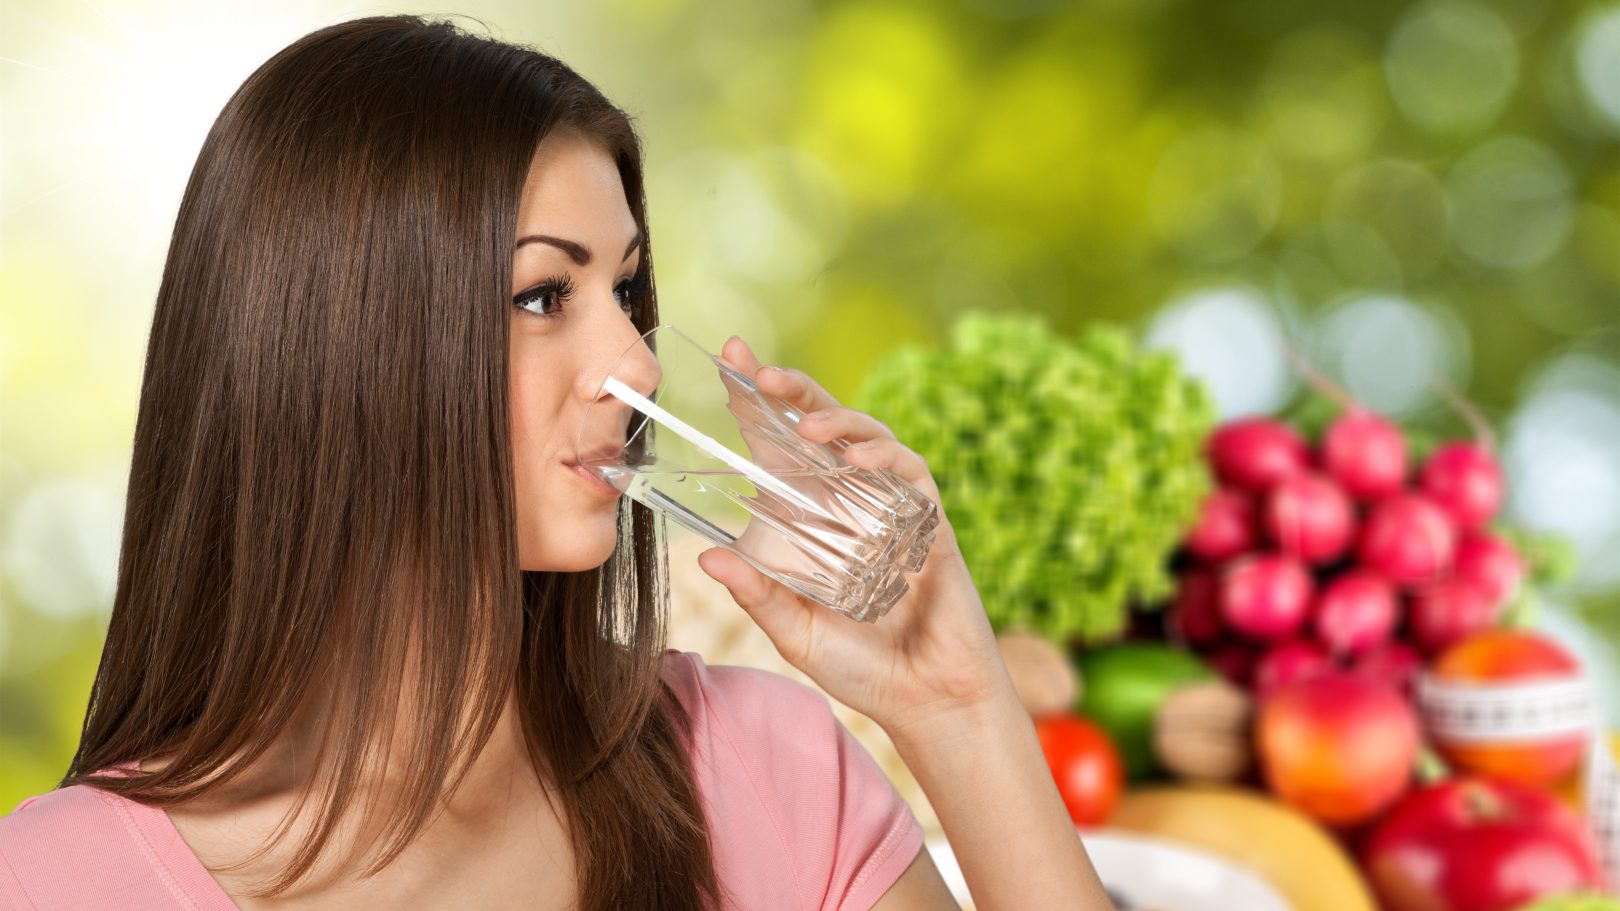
(1315, 556)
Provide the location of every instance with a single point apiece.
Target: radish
(1362, 450)
(1256, 453)
(1196, 614)
(1464, 477)
(1449, 611)
(1290, 662)
(1408, 539)
(1491, 562)
(1309, 517)
(1234, 661)
(1266, 596)
(1356, 612)
(1366, 454)
(1393, 661)
(1466, 481)
(1226, 526)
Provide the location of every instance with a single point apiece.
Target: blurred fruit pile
(1279, 712)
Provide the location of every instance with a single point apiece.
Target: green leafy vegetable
(1069, 469)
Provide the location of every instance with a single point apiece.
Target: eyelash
(563, 287)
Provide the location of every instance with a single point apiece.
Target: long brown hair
(322, 473)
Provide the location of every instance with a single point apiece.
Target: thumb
(783, 616)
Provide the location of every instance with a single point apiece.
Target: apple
(1478, 844)
(1340, 747)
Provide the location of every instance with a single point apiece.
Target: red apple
(1341, 747)
(1479, 844)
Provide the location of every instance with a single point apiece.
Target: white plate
(1149, 872)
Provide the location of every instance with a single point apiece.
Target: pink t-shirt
(800, 816)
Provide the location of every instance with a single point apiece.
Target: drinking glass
(715, 455)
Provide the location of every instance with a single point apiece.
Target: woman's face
(578, 254)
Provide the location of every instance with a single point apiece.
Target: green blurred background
(1406, 190)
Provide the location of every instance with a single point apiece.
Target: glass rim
(642, 408)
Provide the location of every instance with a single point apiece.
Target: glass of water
(716, 456)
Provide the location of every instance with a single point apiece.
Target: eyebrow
(579, 253)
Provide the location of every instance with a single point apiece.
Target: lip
(604, 451)
(593, 480)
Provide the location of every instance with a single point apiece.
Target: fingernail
(863, 446)
(818, 415)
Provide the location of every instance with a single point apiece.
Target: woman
(376, 643)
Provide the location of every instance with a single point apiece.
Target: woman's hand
(934, 651)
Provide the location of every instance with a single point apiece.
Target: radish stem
(1319, 382)
(1483, 434)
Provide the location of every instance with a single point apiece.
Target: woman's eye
(555, 291)
(625, 293)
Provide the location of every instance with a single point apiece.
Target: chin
(587, 544)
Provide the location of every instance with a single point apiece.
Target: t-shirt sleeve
(849, 832)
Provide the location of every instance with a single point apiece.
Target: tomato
(1085, 765)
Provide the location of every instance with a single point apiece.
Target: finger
(794, 387)
(783, 616)
(842, 424)
(890, 453)
(740, 355)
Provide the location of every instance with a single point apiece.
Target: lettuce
(1069, 469)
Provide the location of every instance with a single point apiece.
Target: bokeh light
(1231, 339)
(1513, 202)
(60, 546)
(1388, 351)
(1598, 62)
(1215, 195)
(1451, 65)
(1561, 450)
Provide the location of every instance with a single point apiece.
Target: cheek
(535, 406)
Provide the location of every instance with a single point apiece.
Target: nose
(629, 359)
